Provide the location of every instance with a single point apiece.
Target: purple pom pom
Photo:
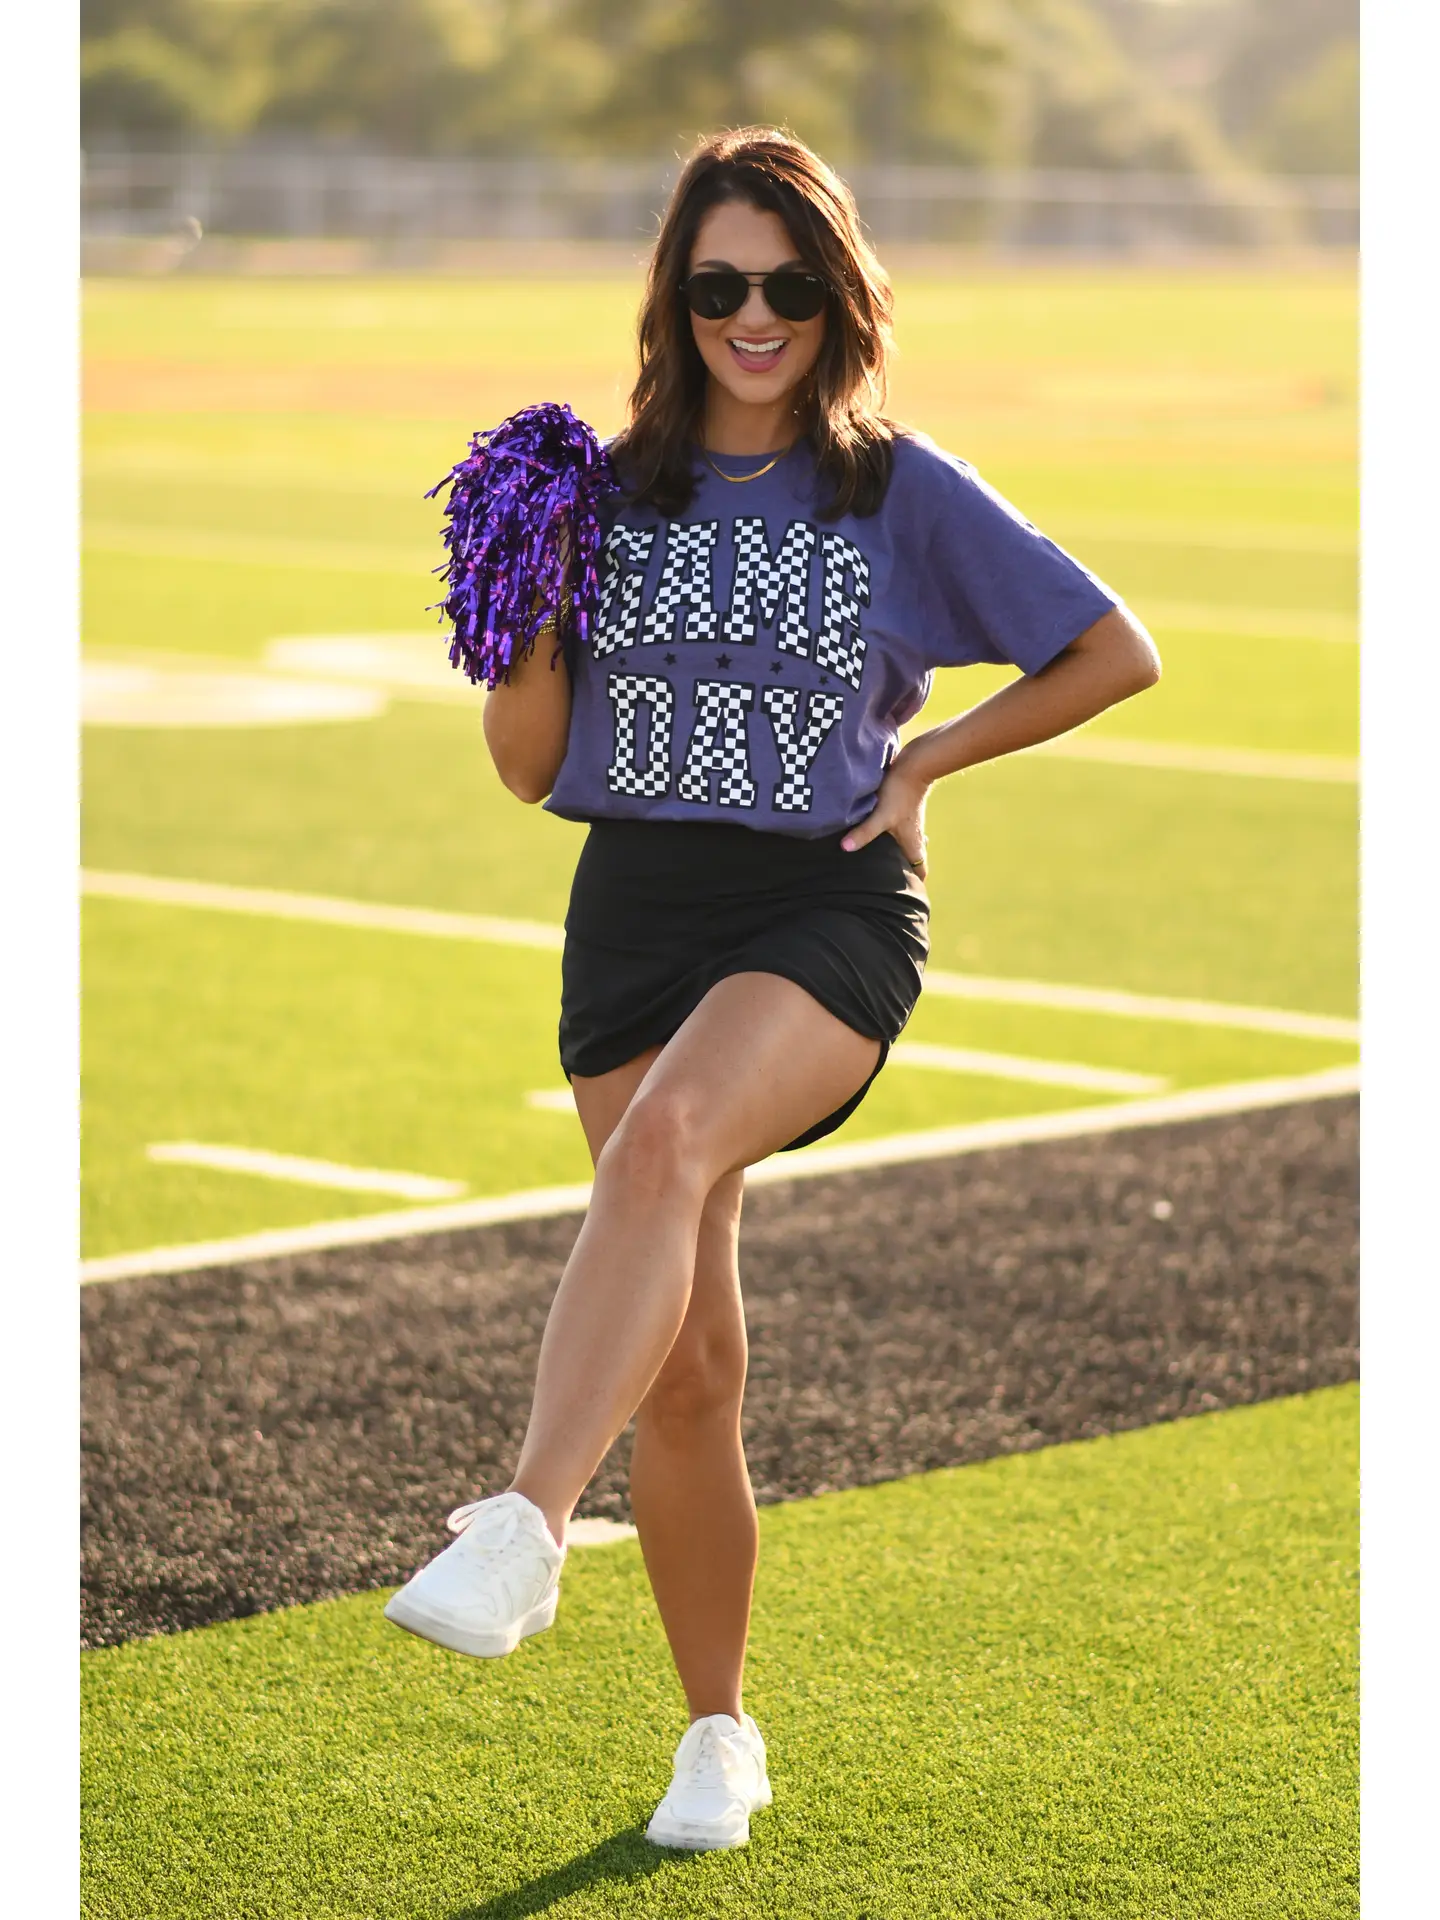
(524, 534)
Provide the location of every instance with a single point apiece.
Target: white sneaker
(490, 1588)
(719, 1782)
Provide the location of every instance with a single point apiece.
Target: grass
(256, 457)
(1113, 1678)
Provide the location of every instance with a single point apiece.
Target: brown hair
(842, 397)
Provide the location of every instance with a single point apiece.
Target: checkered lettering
(622, 580)
(629, 692)
(720, 744)
(797, 752)
(778, 582)
(685, 584)
(839, 645)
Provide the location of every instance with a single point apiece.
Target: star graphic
(722, 659)
(669, 659)
(824, 679)
(777, 666)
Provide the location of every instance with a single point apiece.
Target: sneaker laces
(497, 1528)
(707, 1763)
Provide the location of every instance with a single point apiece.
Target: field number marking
(1014, 1066)
(305, 1173)
(431, 924)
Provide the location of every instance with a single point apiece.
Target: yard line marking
(551, 1100)
(1236, 535)
(271, 903)
(1016, 1066)
(538, 1203)
(213, 545)
(428, 922)
(305, 1173)
(1197, 1103)
(1265, 623)
(129, 694)
(1176, 757)
(1138, 1006)
(598, 1533)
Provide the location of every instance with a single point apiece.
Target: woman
(747, 927)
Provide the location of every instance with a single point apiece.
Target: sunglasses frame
(761, 280)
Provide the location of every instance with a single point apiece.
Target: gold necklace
(736, 478)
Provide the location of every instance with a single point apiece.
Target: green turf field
(256, 455)
(1114, 1678)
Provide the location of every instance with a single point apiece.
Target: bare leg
(689, 1485)
(757, 1063)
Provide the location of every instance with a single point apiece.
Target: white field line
(1236, 536)
(537, 1203)
(270, 903)
(598, 1533)
(535, 933)
(1168, 756)
(1264, 623)
(213, 545)
(551, 1100)
(1015, 1066)
(1139, 1006)
(305, 1173)
(1198, 1103)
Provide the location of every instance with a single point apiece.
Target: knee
(658, 1145)
(701, 1384)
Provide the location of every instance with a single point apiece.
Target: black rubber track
(260, 1435)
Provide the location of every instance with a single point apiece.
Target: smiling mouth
(756, 356)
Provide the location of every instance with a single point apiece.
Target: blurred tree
(1088, 103)
(413, 76)
(861, 79)
(1313, 125)
(1275, 43)
(1281, 77)
(967, 81)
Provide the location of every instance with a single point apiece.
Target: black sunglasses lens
(715, 296)
(794, 295)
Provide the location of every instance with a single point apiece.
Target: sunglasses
(792, 292)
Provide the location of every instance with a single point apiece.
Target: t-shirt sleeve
(998, 590)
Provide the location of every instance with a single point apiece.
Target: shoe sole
(697, 1839)
(694, 1839)
(405, 1614)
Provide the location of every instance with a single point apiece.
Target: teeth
(758, 346)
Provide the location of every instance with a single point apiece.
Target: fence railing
(249, 191)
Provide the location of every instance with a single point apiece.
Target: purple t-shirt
(754, 664)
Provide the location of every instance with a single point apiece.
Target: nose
(755, 312)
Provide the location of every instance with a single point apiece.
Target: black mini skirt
(660, 910)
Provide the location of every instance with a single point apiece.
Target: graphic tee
(754, 664)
